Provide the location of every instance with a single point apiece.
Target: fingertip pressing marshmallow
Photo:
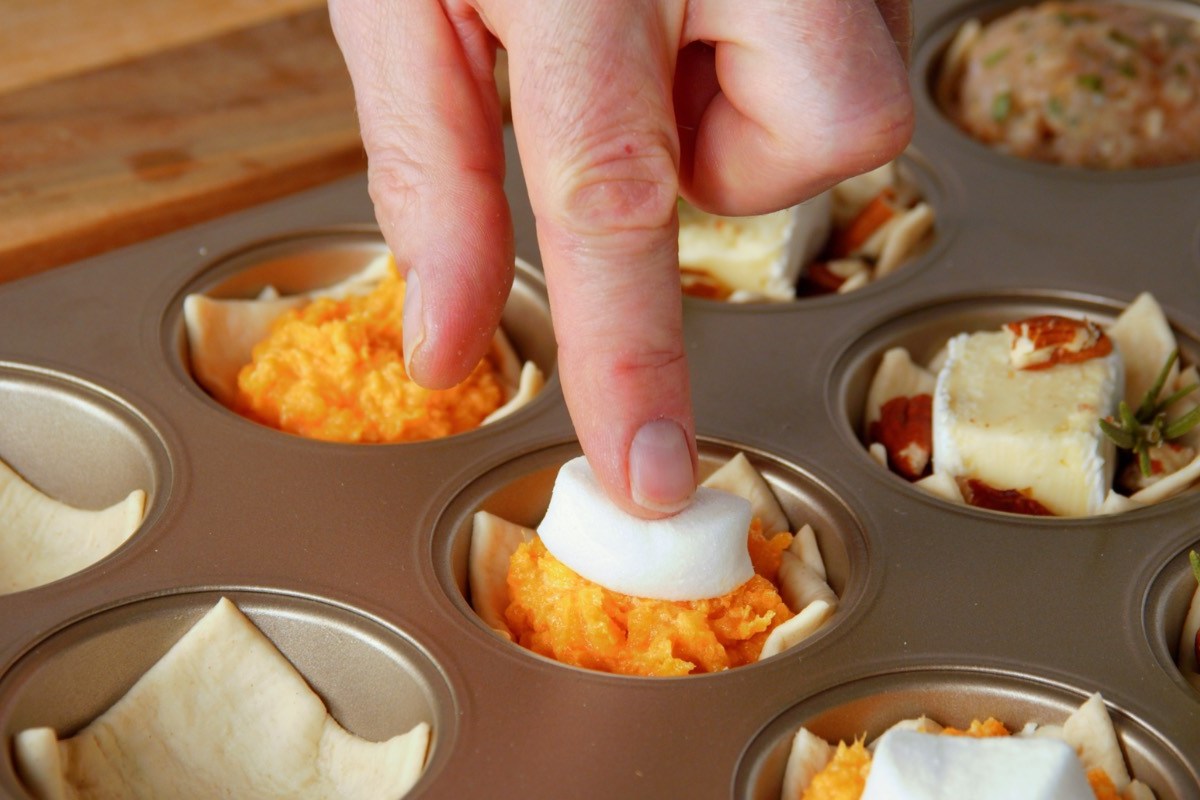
(699, 553)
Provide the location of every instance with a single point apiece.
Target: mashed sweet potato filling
(555, 612)
(845, 776)
(334, 370)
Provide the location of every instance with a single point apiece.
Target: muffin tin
(352, 558)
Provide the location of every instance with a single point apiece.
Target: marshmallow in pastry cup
(696, 554)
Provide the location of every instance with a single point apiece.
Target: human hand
(619, 106)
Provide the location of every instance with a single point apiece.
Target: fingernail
(413, 322)
(660, 467)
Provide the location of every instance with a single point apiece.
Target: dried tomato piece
(1043, 341)
(873, 216)
(822, 279)
(1015, 501)
(905, 429)
(698, 283)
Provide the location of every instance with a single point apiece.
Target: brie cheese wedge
(758, 256)
(1035, 431)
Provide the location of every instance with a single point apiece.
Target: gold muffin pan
(352, 558)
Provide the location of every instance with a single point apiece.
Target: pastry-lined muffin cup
(924, 333)
(373, 681)
(1168, 600)
(954, 697)
(519, 492)
(79, 444)
(922, 184)
(304, 262)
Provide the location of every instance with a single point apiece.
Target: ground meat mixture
(1087, 84)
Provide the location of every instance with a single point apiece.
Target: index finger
(591, 96)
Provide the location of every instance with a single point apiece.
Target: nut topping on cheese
(905, 429)
(1014, 501)
(1041, 342)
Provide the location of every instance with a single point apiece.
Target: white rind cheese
(921, 766)
(757, 256)
(1035, 430)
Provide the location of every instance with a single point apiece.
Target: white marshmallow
(699, 553)
(919, 766)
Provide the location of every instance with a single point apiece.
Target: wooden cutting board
(122, 121)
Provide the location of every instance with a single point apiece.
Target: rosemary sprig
(1147, 409)
(1138, 431)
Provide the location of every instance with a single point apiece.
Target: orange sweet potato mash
(555, 612)
(845, 776)
(334, 370)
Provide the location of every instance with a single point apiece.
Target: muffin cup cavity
(75, 441)
(373, 681)
(869, 706)
(924, 334)
(80, 445)
(302, 263)
(868, 231)
(519, 492)
(1168, 602)
(1056, 133)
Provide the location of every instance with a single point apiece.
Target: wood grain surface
(43, 40)
(114, 155)
(120, 121)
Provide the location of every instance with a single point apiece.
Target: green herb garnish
(1127, 69)
(1001, 106)
(1138, 431)
(1067, 18)
(1091, 81)
(994, 58)
(1054, 106)
(1122, 38)
(1194, 558)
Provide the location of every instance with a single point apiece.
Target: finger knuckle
(624, 181)
(884, 129)
(648, 362)
(394, 184)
